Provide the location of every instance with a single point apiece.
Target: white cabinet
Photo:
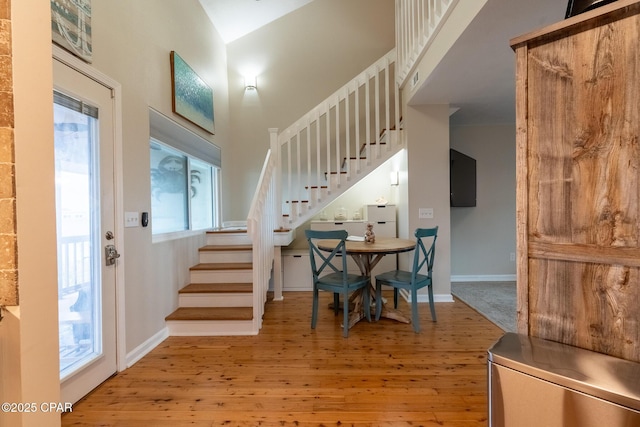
(296, 270)
(353, 228)
(381, 213)
(383, 218)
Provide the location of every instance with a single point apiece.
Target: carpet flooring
(494, 300)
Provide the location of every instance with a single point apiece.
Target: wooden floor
(289, 375)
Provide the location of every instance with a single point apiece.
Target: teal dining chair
(424, 255)
(327, 277)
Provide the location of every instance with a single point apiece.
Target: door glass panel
(78, 233)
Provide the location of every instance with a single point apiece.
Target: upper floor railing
(417, 23)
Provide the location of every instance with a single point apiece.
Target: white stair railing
(417, 23)
(346, 135)
(261, 223)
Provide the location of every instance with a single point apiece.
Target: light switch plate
(425, 213)
(131, 219)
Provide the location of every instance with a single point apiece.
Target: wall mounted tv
(576, 7)
(462, 179)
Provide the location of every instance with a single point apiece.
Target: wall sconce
(393, 178)
(250, 83)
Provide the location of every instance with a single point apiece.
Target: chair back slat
(325, 257)
(423, 254)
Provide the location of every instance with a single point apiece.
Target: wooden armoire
(578, 180)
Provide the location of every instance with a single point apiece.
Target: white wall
(131, 44)
(483, 237)
(300, 59)
(427, 183)
(29, 333)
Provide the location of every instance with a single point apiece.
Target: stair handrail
(261, 223)
(349, 124)
(417, 24)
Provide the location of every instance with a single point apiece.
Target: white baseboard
(144, 348)
(485, 278)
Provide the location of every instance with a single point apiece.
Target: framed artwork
(71, 26)
(191, 98)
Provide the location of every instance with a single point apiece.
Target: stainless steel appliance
(540, 383)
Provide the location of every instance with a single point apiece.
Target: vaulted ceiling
(477, 75)
(236, 18)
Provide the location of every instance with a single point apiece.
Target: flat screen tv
(462, 179)
(576, 7)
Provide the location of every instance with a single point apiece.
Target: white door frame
(116, 89)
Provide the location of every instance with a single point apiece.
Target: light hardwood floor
(289, 375)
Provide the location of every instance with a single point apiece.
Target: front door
(87, 246)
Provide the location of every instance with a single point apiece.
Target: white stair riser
(221, 276)
(296, 209)
(355, 167)
(190, 328)
(225, 256)
(317, 194)
(228, 239)
(216, 300)
(336, 180)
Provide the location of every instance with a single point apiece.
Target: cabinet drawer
(377, 213)
(353, 227)
(296, 272)
(384, 228)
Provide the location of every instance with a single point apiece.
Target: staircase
(219, 298)
(309, 165)
(338, 143)
(335, 183)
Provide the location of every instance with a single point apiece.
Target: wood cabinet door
(578, 186)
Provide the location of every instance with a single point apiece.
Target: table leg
(366, 263)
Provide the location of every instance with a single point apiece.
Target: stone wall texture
(8, 238)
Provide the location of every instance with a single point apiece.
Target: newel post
(275, 153)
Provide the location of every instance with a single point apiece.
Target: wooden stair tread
(213, 248)
(364, 146)
(211, 313)
(344, 161)
(227, 230)
(205, 266)
(212, 288)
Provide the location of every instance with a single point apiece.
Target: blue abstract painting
(192, 97)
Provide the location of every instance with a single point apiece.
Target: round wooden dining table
(367, 256)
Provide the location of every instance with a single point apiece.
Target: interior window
(182, 191)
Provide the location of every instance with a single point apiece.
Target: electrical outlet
(425, 213)
(512, 256)
(131, 219)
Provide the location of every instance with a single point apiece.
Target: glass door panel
(78, 227)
